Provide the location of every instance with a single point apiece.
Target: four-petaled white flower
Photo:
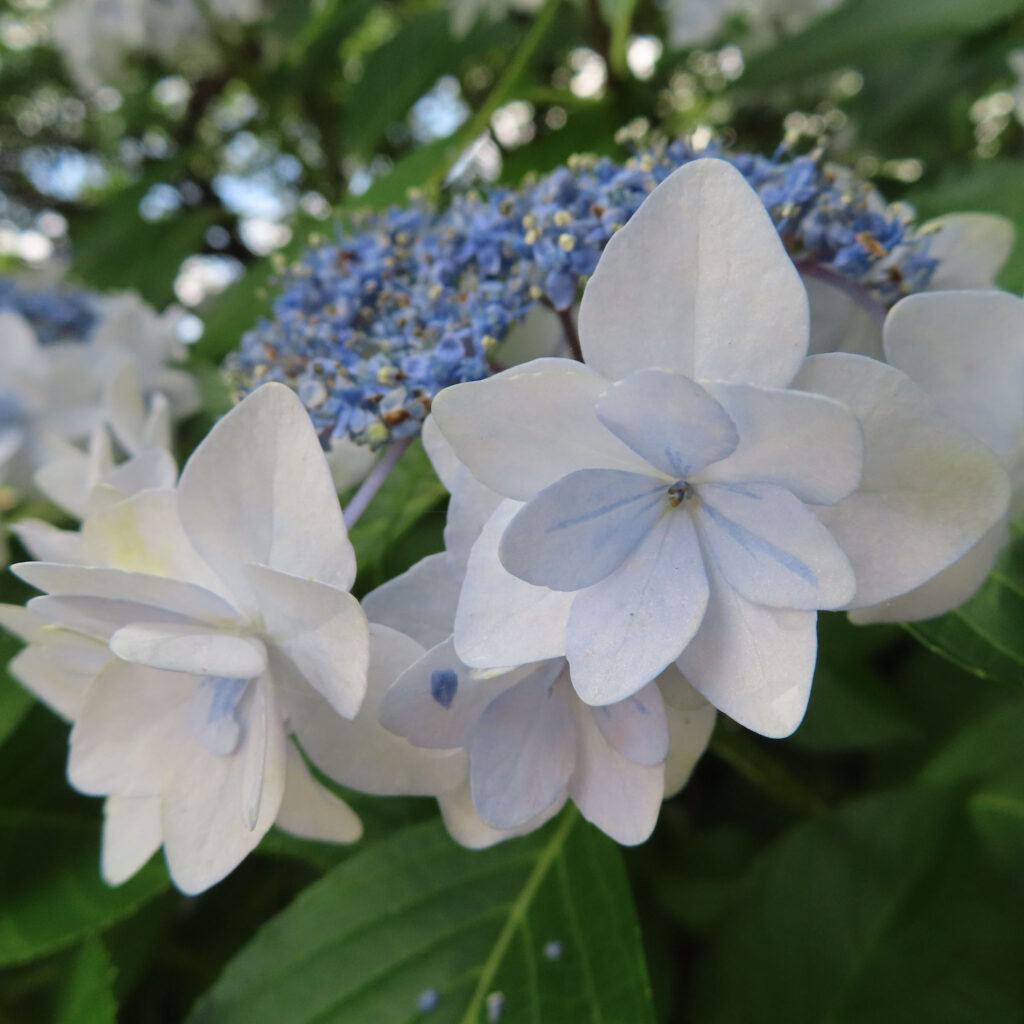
(224, 601)
(682, 497)
(529, 742)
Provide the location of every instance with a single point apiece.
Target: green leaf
(866, 915)
(984, 636)
(859, 29)
(411, 492)
(114, 248)
(853, 706)
(88, 991)
(396, 75)
(545, 921)
(985, 758)
(50, 886)
(619, 16)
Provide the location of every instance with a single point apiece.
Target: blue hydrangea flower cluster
(369, 327)
(56, 314)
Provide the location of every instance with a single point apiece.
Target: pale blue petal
(580, 529)
(523, 752)
(629, 627)
(771, 548)
(669, 420)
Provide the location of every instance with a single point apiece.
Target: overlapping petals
(217, 605)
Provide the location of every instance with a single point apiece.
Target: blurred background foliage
(868, 869)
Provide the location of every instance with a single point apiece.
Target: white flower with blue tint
(223, 601)
(520, 741)
(965, 350)
(674, 495)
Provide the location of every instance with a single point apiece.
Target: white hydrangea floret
(521, 741)
(684, 496)
(223, 601)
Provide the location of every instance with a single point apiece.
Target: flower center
(679, 492)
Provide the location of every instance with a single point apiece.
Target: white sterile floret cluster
(68, 406)
(633, 544)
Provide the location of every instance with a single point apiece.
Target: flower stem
(501, 92)
(375, 481)
(748, 758)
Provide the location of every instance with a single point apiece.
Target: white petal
(158, 428)
(771, 548)
(636, 727)
(469, 829)
(350, 463)
(55, 685)
(928, 492)
(501, 619)
(125, 406)
(839, 323)
(521, 430)
(691, 721)
(469, 508)
(69, 479)
(20, 350)
(46, 543)
(754, 663)
(20, 622)
(965, 350)
(258, 491)
(620, 797)
(186, 648)
(131, 835)
(97, 617)
(436, 702)
(946, 591)
(152, 470)
(361, 753)
(144, 534)
(808, 444)
(441, 454)
(971, 249)
(114, 584)
(130, 731)
(582, 528)
(625, 630)
(697, 281)
(321, 630)
(471, 504)
(420, 603)
(312, 811)
(669, 420)
(523, 752)
(208, 823)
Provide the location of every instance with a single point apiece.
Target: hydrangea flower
(222, 602)
(684, 497)
(965, 350)
(60, 384)
(369, 327)
(529, 742)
